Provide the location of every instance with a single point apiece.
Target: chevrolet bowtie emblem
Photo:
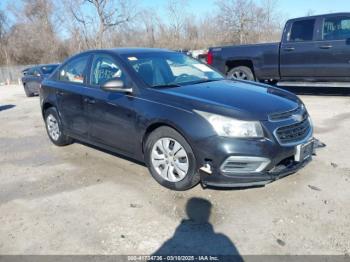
(297, 117)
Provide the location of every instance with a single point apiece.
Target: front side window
(168, 68)
(103, 69)
(336, 28)
(75, 70)
(302, 31)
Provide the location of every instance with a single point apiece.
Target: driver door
(111, 114)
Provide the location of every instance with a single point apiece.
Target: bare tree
(271, 21)
(234, 18)
(44, 31)
(4, 59)
(243, 21)
(2, 24)
(176, 10)
(150, 19)
(95, 18)
(33, 38)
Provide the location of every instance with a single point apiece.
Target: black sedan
(181, 117)
(33, 76)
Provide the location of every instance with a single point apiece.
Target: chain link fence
(11, 74)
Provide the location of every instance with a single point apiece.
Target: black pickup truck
(313, 49)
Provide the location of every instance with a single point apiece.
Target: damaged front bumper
(255, 179)
(258, 163)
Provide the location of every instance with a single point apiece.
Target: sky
(289, 8)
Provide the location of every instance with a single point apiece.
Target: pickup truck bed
(263, 58)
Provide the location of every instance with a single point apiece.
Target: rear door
(333, 48)
(36, 79)
(72, 85)
(29, 79)
(298, 58)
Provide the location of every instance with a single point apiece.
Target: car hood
(242, 100)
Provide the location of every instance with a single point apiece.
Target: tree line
(45, 31)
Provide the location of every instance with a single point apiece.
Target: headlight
(229, 127)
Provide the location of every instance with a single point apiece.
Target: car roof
(130, 50)
(317, 16)
(40, 65)
(48, 65)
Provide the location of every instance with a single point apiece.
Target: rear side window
(336, 28)
(75, 70)
(302, 31)
(48, 69)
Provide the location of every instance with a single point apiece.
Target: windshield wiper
(166, 85)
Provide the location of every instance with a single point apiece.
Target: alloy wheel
(239, 75)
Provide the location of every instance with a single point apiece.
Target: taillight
(210, 58)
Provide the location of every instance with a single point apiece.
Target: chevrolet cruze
(179, 116)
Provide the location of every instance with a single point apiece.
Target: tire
(241, 73)
(28, 94)
(174, 175)
(54, 128)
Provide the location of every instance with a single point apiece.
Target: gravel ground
(79, 200)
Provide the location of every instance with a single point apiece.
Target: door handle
(89, 100)
(289, 49)
(326, 46)
(60, 93)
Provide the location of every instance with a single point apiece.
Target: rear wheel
(170, 159)
(241, 73)
(54, 128)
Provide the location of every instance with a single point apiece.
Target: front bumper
(214, 151)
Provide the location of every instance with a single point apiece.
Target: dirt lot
(79, 200)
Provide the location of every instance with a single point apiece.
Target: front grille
(294, 133)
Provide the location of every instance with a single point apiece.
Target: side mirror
(115, 85)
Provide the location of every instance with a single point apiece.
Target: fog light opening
(240, 164)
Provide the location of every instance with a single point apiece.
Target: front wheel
(241, 73)
(170, 159)
(27, 92)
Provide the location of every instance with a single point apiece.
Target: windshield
(48, 69)
(165, 69)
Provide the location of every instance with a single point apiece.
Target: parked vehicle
(200, 55)
(25, 71)
(181, 117)
(313, 49)
(33, 76)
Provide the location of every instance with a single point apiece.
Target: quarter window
(336, 28)
(302, 31)
(104, 68)
(75, 71)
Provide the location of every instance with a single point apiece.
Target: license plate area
(304, 151)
